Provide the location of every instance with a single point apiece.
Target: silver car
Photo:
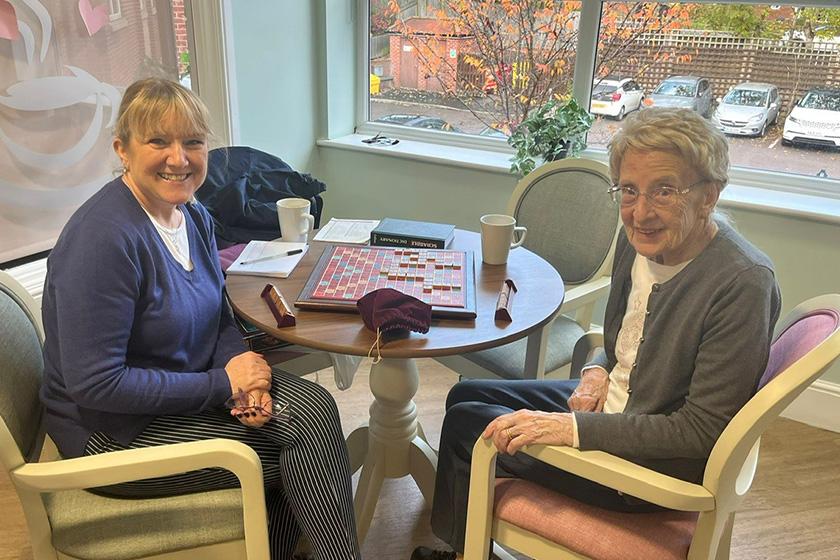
(690, 92)
(748, 109)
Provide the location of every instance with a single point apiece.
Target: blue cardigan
(130, 334)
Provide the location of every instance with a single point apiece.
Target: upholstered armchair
(573, 225)
(698, 524)
(66, 521)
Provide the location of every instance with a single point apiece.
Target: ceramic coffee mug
(295, 220)
(497, 233)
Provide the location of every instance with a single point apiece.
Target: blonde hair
(148, 102)
(682, 132)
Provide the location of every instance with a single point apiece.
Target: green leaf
(556, 129)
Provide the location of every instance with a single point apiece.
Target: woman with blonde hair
(141, 348)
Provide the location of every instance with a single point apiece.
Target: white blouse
(644, 275)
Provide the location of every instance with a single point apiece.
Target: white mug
(295, 220)
(497, 233)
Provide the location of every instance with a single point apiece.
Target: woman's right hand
(248, 372)
(591, 393)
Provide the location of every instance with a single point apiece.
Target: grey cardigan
(704, 346)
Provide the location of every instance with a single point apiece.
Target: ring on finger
(510, 434)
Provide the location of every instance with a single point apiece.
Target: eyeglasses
(660, 196)
(248, 405)
(381, 140)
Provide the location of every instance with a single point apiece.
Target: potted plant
(554, 131)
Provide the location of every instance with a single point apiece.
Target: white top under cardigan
(645, 273)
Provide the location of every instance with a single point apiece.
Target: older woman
(141, 348)
(687, 333)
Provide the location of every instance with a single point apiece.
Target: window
(59, 92)
(471, 64)
(739, 55)
(149, 7)
(469, 68)
(114, 9)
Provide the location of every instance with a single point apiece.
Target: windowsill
(118, 23)
(753, 197)
(456, 156)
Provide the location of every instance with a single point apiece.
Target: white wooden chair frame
(728, 476)
(33, 479)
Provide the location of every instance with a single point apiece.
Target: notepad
(279, 267)
(341, 230)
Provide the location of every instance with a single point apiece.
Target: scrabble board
(345, 273)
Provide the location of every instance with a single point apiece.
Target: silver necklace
(172, 233)
(166, 233)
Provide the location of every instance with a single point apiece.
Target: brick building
(417, 49)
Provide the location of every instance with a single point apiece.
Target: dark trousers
(306, 469)
(470, 406)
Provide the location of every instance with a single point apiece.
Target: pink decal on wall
(94, 18)
(8, 22)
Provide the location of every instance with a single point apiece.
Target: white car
(615, 98)
(748, 109)
(815, 120)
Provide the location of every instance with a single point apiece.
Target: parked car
(815, 120)
(418, 121)
(616, 97)
(748, 109)
(691, 92)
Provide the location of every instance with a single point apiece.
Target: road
(761, 153)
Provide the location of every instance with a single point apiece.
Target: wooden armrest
(606, 469)
(588, 292)
(627, 477)
(583, 347)
(136, 464)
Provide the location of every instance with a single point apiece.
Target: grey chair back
(571, 221)
(21, 369)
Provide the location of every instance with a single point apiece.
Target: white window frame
(114, 10)
(147, 8)
(212, 64)
(583, 77)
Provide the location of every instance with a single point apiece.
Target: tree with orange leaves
(383, 15)
(524, 50)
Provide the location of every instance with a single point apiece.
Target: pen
(286, 254)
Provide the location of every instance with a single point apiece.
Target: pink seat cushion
(594, 532)
(797, 340)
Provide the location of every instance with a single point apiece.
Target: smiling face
(164, 167)
(674, 234)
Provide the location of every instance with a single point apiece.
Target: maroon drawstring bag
(386, 309)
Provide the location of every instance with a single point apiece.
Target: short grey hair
(682, 132)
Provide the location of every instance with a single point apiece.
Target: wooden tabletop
(534, 305)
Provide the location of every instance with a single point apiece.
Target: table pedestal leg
(396, 445)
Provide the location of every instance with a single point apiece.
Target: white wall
(276, 66)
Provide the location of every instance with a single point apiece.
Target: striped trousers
(305, 467)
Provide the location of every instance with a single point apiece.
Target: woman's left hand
(510, 432)
(256, 416)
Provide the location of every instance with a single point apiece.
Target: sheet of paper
(340, 230)
(268, 258)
